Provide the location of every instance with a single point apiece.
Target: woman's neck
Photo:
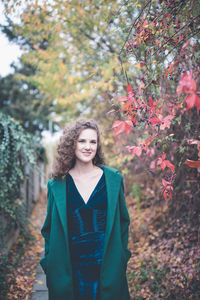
(81, 168)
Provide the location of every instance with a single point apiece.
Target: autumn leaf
(168, 188)
(121, 126)
(135, 150)
(186, 84)
(122, 99)
(170, 165)
(129, 88)
(165, 163)
(40, 282)
(192, 100)
(192, 163)
(129, 108)
(166, 121)
(151, 102)
(193, 141)
(147, 143)
(154, 121)
(118, 127)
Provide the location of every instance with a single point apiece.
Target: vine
(165, 87)
(17, 149)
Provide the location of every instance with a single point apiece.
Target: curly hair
(65, 157)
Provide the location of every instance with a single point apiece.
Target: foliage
(74, 55)
(162, 86)
(23, 259)
(21, 100)
(16, 150)
(81, 63)
(133, 64)
(164, 262)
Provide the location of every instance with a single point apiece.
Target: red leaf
(168, 188)
(141, 64)
(163, 165)
(170, 68)
(192, 163)
(170, 165)
(197, 103)
(128, 125)
(129, 107)
(193, 141)
(134, 120)
(186, 84)
(118, 127)
(135, 150)
(166, 183)
(147, 143)
(151, 102)
(190, 100)
(154, 121)
(130, 148)
(166, 122)
(123, 98)
(129, 88)
(145, 24)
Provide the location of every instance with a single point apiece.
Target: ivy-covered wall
(22, 165)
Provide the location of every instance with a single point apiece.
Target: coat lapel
(112, 187)
(61, 201)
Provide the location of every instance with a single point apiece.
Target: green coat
(56, 261)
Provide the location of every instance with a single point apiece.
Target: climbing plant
(160, 62)
(16, 150)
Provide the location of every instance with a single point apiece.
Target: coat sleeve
(45, 231)
(125, 220)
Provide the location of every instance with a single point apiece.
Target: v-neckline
(91, 192)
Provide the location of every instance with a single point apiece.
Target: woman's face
(86, 146)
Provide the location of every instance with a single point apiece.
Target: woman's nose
(87, 146)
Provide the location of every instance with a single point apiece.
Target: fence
(31, 188)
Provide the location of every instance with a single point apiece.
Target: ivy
(16, 150)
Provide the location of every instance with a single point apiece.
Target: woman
(86, 226)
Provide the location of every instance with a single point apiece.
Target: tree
(21, 100)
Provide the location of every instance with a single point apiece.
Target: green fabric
(56, 262)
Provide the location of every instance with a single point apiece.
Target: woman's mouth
(87, 153)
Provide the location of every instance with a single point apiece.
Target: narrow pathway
(39, 291)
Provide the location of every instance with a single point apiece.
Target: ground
(164, 262)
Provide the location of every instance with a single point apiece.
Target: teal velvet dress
(86, 228)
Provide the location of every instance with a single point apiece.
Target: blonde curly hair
(65, 156)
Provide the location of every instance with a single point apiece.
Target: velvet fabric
(86, 227)
(56, 262)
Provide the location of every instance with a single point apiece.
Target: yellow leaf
(40, 282)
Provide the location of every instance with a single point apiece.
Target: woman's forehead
(88, 133)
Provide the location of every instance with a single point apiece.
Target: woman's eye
(93, 142)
